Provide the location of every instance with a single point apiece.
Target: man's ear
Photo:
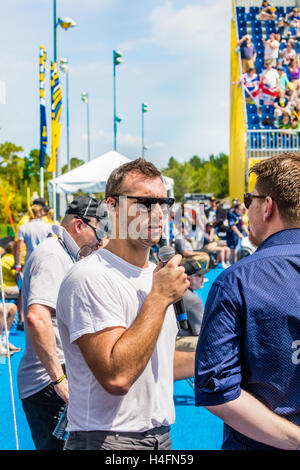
(111, 204)
(269, 208)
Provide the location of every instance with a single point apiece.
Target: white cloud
(186, 30)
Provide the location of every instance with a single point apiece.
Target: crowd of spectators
(271, 66)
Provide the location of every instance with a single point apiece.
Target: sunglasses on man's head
(148, 202)
(248, 198)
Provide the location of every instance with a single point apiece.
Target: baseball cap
(39, 200)
(212, 198)
(84, 206)
(194, 266)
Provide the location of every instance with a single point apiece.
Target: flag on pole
(56, 107)
(43, 123)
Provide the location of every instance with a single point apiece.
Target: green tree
(74, 163)
(199, 176)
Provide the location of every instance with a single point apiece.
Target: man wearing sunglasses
(118, 326)
(43, 387)
(248, 353)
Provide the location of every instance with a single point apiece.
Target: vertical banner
(43, 123)
(237, 144)
(56, 107)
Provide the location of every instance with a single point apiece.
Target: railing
(257, 3)
(268, 142)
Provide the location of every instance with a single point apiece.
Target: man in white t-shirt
(42, 384)
(272, 49)
(118, 326)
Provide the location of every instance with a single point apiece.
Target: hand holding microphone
(172, 282)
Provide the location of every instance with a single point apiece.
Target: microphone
(165, 253)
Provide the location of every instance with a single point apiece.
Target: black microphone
(165, 253)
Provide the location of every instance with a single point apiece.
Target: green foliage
(17, 173)
(199, 176)
(74, 163)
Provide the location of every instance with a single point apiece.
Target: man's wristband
(59, 380)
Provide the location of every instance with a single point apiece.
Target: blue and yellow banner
(43, 123)
(56, 107)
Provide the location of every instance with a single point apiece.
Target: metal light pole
(85, 99)
(64, 67)
(144, 110)
(116, 61)
(65, 23)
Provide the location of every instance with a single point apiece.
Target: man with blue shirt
(247, 368)
(234, 234)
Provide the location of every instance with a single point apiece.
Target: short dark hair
(117, 176)
(279, 178)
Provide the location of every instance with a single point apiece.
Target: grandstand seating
(263, 130)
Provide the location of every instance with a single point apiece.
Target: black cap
(194, 266)
(84, 206)
(40, 200)
(212, 198)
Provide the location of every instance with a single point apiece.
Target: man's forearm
(19, 252)
(184, 365)
(250, 417)
(40, 328)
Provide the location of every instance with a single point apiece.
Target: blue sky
(175, 58)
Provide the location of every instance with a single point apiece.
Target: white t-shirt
(272, 53)
(33, 233)
(104, 291)
(270, 77)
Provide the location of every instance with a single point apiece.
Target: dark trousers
(43, 410)
(154, 439)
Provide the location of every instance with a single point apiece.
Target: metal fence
(266, 143)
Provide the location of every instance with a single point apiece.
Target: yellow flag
(55, 137)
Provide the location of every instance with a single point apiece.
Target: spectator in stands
(288, 52)
(184, 247)
(269, 83)
(293, 18)
(296, 109)
(285, 122)
(295, 125)
(283, 29)
(248, 52)
(235, 232)
(211, 211)
(212, 244)
(251, 81)
(282, 105)
(271, 49)
(294, 71)
(282, 78)
(267, 12)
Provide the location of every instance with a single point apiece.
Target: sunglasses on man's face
(143, 202)
(98, 233)
(248, 198)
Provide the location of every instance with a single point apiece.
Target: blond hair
(35, 211)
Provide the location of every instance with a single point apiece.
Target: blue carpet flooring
(194, 428)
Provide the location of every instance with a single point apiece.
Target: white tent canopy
(92, 176)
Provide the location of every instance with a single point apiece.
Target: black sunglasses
(248, 197)
(148, 202)
(97, 232)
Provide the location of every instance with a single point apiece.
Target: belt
(137, 435)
